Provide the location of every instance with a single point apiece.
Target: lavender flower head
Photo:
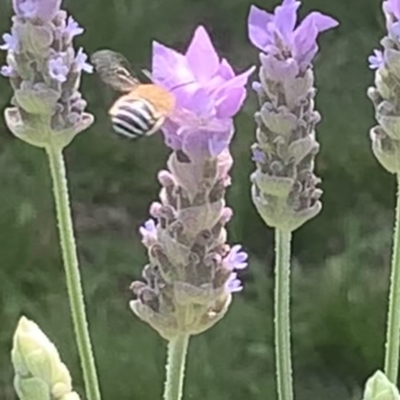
(192, 271)
(44, 70)
(284, 185)
(385, 95)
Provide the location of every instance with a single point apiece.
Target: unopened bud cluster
(191, 273)
(385, 95)
(284, 187)
(39, 372)
(44, 70)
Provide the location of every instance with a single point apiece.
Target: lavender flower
(44, 70)
(385, 136)
(192, 271)
(284, 185)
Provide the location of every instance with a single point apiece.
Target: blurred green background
(340, 260)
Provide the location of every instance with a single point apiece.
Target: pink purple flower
(284, 187)
(192, 270)
(277, 34)
(207, 91)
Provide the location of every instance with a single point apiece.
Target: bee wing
(147, 74)
(114, 70)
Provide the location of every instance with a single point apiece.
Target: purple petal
(376, 60)
(392, 7)
(225, 70)
(42, 9)
(201, 103)
(148, 232)
(236, 258)
(7, 71)
(258, 156)
(58, 70)
(11, 42)
(234, 284)
(230, 96)
(169, 68)
(201, 56)
(81, 62)
(73, 29)
(206, 139)
(305, 35)
(285, 19)
(257, 24)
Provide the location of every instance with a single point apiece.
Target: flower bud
(378, 387)
(39, 371)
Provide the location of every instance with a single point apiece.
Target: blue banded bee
(142, 108)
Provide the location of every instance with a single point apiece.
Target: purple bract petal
(199, 80)
(207, 93)
(392, 7)
(276, 35)
(44, 10)
(201, 56)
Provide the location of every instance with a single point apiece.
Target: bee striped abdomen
(134, 118)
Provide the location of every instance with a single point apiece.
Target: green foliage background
(340, 272)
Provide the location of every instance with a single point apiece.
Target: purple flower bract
(277, 35)
(208, 94)
(45, 10)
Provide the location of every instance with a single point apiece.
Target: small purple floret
(236, 258)
(6, 71)
(58, 70)
(10, 42)
(81, 62)
(148, 232)
(376, 60)
(73, 29)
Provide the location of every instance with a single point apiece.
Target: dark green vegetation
(340, 259)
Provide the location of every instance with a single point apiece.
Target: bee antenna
(182, 85)
(147, 74)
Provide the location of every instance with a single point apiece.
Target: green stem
(177, 350)
(69, 253)
(393, 318)
(282, 315)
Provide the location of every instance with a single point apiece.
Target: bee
(142, 108)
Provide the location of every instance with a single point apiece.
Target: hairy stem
(282, 315)
(177, 350)
(70, 258)
(393, 318)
